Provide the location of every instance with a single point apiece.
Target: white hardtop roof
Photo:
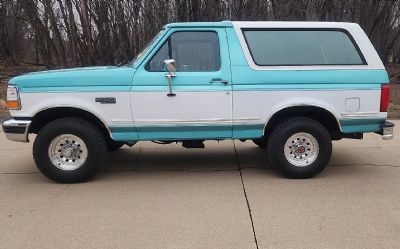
(291, 24)
(359, 36)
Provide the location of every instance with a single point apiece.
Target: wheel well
(48, 115)
(325, 117)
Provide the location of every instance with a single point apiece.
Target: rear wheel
(69, 150)
(299, 147)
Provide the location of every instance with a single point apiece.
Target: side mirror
(171, 67)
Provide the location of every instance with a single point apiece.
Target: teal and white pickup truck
(291, 87)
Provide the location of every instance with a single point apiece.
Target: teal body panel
(129, 134)
(184, 132)
(180, 88)
(248, 131)
(361, 125)
(173, 133)
(69, 89)
(245, 78)
(234, 67)
(236, 51)
(124, 133)
(93, 79)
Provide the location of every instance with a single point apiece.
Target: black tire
(113, 145)
(289, 127)
(87, 132)
(261, 142)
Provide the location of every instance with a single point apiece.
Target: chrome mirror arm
(169, 77)
(170, 64)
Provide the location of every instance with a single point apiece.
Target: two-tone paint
(203, 109)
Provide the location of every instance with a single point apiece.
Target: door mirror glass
(171, 66)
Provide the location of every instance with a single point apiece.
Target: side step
(198, 144)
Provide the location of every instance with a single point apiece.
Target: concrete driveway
(223, 196)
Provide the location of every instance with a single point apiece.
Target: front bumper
(386, 130)
(17, 130)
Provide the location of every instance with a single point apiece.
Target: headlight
(13, 101)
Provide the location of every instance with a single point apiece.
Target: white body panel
(263, 104)
(109, 113)
(249, 107)
(150, 108)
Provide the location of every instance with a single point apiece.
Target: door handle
(219, 80)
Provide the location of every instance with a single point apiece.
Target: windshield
(145, 49)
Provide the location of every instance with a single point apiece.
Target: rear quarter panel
(260, 92)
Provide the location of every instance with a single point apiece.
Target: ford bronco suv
(291, 87)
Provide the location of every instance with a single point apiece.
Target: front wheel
(69, 150)
(299, 147)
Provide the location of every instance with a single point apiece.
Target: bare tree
(63, 33)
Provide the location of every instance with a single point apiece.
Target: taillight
(384, 97)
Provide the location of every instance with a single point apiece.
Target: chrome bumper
(387, 131)
(17, 130)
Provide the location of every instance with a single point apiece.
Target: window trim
(346, 32)
(168, 40)
(146, 66)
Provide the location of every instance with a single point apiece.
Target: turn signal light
(13, 104)
(13, 101)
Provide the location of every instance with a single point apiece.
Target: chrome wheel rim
(67, 152)
(301, 149)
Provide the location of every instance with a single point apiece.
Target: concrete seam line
(365, 164)
(16, 173)
(245, 194)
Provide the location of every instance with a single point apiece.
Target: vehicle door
(198, 102)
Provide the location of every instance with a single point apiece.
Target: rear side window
(192, 51)
(302, 47)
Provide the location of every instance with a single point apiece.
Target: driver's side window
(156, 64)
(193, 52)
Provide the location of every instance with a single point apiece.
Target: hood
(73, 78)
